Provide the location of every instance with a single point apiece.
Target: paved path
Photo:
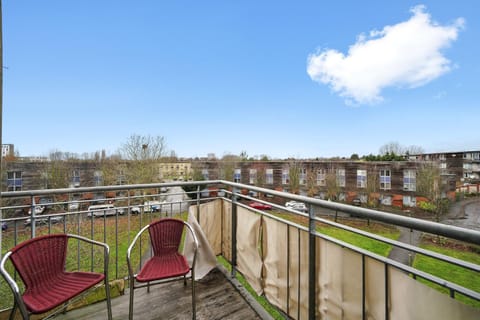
(464, 214)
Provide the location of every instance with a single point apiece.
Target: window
(269, 176)
(237, 175)
(98, 178)
(76, 178)
(361, 178)
(303, 176)
(385, 179)
(205, 174)
(321, 177)
(340, 173)
(253, 176)
(121, 178)
(14, 181)
(409, 180)
(409, 201)
(285, 176)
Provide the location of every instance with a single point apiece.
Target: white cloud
(407, 54)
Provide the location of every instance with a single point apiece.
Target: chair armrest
(195, 243)
(106, 250)
(11, 282)
(130, 248)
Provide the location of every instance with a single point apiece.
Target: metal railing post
(32, 218)
(198, 203)
(312, 283)
(234, 230)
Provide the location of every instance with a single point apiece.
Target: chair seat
(67, 285)
(162, 267)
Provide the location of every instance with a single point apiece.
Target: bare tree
(398, 149)
(372, 186)
(312, 188)
(429, 184)
(227, 166)
(331, 183)
(391, 148)
(261, 173)
(140, 147)
(294, 169)
(414, 150)
(56, 172)
(145, 153)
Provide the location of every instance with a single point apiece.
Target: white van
(100, 210)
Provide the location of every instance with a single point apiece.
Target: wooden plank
(216, 299)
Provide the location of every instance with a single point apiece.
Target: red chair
(40, 262)
(167, 263)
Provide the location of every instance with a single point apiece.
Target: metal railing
(136, 205)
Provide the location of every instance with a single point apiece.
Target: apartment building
(385, 182)
(464, 165)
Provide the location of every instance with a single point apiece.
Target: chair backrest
(39, 259)
(165, 235)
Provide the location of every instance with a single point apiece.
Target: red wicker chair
(40, 262)
(167, 263)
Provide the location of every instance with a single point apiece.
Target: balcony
(305, 264)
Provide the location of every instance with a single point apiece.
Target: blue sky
(282, 78)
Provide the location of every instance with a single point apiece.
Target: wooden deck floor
(217, 298)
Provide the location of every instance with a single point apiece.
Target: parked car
(135, 210)
(152, 206)
(38, 210)
(260, 206)
(73, 206)
(100, 210)
(356, 202)
(295, 205)
(43, 220)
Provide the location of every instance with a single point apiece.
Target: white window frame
(253, 176)
(98, 178)
(303, 176)
(205, 174)
(321, 177)
(361, 178)
(237, 175)
(14, 181)
(409, 180)
(340, 175)
(269, 176)
(76, 178)
(385, 179)
(285, 176)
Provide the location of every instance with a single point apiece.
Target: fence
(282, 254)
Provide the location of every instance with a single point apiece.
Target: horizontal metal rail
(230, 191)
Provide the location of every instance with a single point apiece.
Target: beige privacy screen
(273, 257)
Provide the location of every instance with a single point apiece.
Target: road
(465, 214)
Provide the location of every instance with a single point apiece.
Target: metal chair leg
(14, 310)
(130, 307)
(109, 301)
(194, 306)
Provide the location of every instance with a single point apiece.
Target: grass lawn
(461, 276)
(360, 241)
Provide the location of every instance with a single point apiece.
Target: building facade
(374, 182)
